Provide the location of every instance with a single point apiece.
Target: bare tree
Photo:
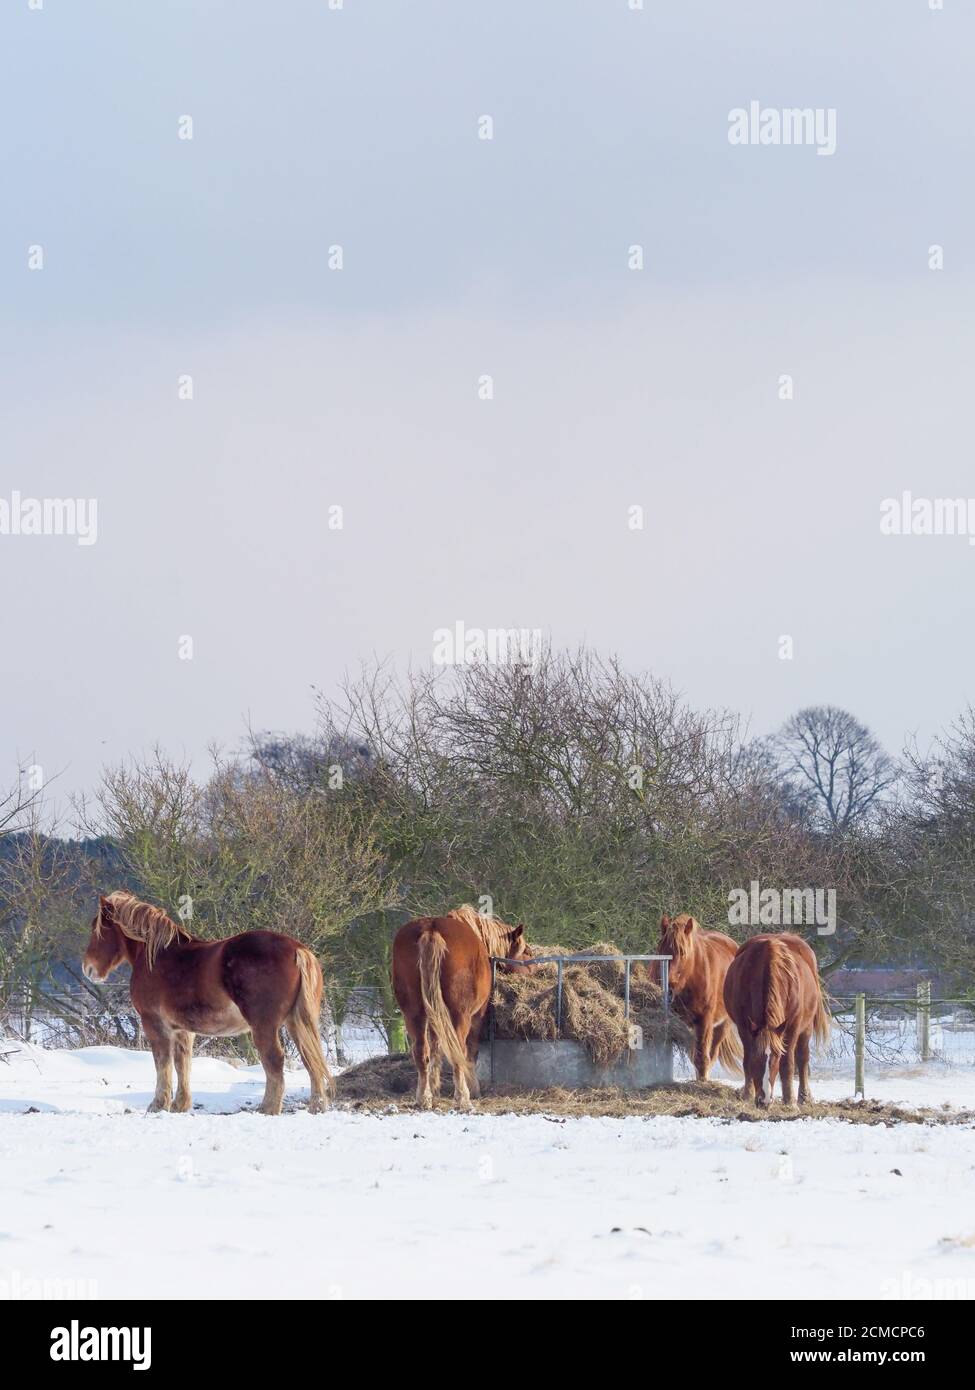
(18, 804)
(834, 764)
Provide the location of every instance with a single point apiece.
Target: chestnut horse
(180, 986)
(772, 992)
(442, 983)
(697, 971)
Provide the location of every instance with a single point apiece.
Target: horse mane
(682, 943)
(494, 934)
(141, 921)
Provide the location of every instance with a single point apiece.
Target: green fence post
(396, 1034)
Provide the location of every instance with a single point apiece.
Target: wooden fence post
(860, 1043)
(924, 1020)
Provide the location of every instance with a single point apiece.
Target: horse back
(223, 987)
(750, 977)
(465, 972)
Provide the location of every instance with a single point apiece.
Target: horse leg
(183, 1049)
(717, 1038)
(435, 1063)
(773, 1072)
(267, 1040)
(462, 1093)
(748, 1046)
(702, 1048)
(419, 1035)
(802, 1062)
(762, 1063)
(321, 1086)
(161, 1041)
(473, 1045)
(786, 1070)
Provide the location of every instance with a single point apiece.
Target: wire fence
(901, 1031)
(871, 1033)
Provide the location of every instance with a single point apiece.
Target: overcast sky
(465, 257)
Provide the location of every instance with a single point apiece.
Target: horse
(442, 983)
(180, 986)
(700, 960)
(772, 992)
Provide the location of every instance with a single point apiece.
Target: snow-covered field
(97, 1198)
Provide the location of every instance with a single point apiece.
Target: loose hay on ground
(383, 1082)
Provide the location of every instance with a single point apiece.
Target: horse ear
(518, 932)
(104, 905)
(664, 922)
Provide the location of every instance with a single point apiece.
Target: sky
(465, 258)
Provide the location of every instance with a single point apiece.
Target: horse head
(677, 941)
(106, 945)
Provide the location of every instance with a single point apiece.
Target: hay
(593, 1010)
(385, 1084)
(377, 1078)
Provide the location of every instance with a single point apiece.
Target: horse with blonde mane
(442, 983)
(699, 962)
(772, 992)
(181, 986)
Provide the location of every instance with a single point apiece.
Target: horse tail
(823, 1020)
(431, 951)
(780, 972)
(730, 1050)
(302, 1022)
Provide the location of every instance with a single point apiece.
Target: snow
(96, 1196)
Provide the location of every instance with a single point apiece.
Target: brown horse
(442, 983)
(180, 986)
(772, 992)
(700, 960)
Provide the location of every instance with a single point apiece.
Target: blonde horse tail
(780, 973)
(302, 1024)
(431, 950)
(823, 1021)
(730, 1050)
